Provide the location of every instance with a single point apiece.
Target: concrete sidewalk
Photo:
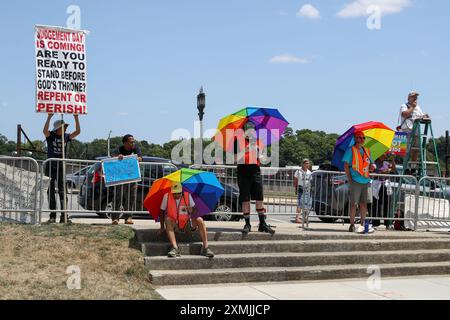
(417, 288)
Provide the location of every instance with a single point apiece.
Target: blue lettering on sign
(121, 171)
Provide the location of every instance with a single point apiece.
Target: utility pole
(19, 140)
(447, 155)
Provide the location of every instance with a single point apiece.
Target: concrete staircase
(293, 256)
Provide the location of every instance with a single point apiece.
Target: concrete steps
(239, 275)
(292, 256)
(284, 259)
(273, 246)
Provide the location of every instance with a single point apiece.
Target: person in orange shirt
(250, 182)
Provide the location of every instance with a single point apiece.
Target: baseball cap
(58, 124)
(413, 93)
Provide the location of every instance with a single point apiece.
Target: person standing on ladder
(54, 169)
(410, 112)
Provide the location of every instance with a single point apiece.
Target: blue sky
(148, 59)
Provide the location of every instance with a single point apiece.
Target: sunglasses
(359, 137)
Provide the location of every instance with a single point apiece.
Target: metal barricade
(432, 203)
(86, 191)
(25, 189)
(279, 192)
(20, 183)
(387, 194)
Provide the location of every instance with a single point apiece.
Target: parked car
(95, 196)
(74, 180)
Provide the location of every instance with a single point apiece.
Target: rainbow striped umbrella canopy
(268, 122)
(378, 140)
(203, 186)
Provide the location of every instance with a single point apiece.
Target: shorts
(250, 183)
(358, 192)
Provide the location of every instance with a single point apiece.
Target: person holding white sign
(125, 195)
(54, 169)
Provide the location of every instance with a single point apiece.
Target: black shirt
(126, 152)
(54, 145)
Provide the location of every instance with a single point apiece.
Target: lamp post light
(201, 99)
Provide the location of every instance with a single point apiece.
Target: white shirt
(408, 123)
(303, 178)
(165, 200)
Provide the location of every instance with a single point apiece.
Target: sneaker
(174, 252)
(247, 229)
(361, 229)
(207, 253)
(129, 221)
(51, 221)
(115, 222)
(266, 228)
(352, 228)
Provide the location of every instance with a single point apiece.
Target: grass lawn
(34, 261)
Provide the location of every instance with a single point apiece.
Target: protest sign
(123, 171)
(399, 144)
(61, 70)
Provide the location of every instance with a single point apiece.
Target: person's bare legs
(246, 212)
(171, 232)
(352, 213)
(298, 215)
(363, 212)
(200, 224)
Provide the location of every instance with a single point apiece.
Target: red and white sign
(61, 70)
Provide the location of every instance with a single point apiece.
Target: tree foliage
(296, 145)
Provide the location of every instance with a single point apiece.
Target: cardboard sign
(399, 144)
(117, 172)
(61, 71)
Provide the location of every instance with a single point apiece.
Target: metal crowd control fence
(388, 196)
(86, 191)
(20, 184)
(279, 191)
(432, 202)
(25, 185)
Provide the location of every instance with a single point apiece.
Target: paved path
(417, 288)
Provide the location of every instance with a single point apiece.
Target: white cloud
(288, 58)
(359, 8)
(308, 11)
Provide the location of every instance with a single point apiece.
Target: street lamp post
(201, 98)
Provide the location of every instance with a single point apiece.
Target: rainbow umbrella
(378, 140)
(203, 186)
(268, 122)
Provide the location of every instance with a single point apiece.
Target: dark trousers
(55, 172)
(124, 200)
(381, 207)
